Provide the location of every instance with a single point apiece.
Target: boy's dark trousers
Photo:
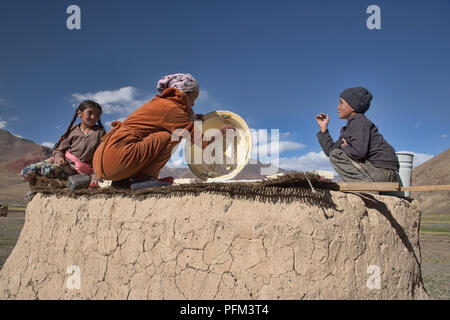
(352, 171)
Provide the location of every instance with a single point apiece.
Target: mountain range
(435, 171)
(15, 154)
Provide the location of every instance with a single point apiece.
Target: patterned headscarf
(180, 81)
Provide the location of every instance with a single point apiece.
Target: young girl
(74, 151)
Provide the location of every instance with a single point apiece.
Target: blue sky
(276, 64)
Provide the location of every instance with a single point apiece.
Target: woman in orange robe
(141, 145)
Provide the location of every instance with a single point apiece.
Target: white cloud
(418, 125)
(444, 136)
(48, 144)
(286, 134)
(14, 119)
(125, 100)
(307, 162)
(178, 159)
(268, 150)
(108, 124)
(203, 97)
(280, 146)
(108, 96)
(178, 163)
(290, 145)
(121, 101)
(3, 124)
(58, 126)
(419, 158)
(2, 102)
(205, 103)
(319, 161)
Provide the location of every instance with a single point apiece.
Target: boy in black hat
(360, 153)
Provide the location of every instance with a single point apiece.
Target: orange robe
(142, 143)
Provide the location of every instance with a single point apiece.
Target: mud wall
(215, 247)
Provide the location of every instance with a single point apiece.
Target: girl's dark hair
(81, 107)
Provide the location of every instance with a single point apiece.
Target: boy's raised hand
(323, 120)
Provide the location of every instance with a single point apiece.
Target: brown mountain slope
(433, 172)
(15, 154)
(14, 148)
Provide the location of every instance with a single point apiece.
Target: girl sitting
(74, 151)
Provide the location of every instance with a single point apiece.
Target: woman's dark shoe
(121, 184)
(149, 183)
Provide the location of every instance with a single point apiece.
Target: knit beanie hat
(358, 98)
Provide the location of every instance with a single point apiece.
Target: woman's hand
(226, 127)
(223, 130)
(323, 120)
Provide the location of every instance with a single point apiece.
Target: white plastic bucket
(405, 159)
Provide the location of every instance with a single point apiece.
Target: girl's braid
(100, 124)
(69, 129)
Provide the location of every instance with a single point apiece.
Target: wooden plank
(3, 210)
(369, 186)
(386, 186)
(426, 188)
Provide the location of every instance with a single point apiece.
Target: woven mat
(295, 186)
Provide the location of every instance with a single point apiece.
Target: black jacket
(364, 142)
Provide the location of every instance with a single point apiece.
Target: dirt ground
(10, 228)
(435, 250)
(434, 241)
